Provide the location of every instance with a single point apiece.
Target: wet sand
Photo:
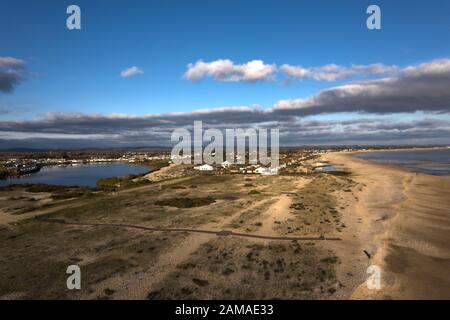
(405, 226)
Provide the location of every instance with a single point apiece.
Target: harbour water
(77, 175)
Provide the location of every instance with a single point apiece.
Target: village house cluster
(291, 161)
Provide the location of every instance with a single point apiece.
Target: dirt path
(156, 175)
(279, 211)
(219, 233)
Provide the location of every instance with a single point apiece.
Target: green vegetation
(3, 173)
(156, 164)
(330, 260)
(185, 202)
(58, 192)
(108, 183)
(339, 173)
(239, 269)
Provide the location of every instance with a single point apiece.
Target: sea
(429, 161)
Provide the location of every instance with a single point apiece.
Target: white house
(267, 171)
(274, 170)
(260, 170)
(205, 167)
(225, 164)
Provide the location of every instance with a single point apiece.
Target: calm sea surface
(433, 161)
(79, 175)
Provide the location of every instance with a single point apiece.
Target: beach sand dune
(408, 221)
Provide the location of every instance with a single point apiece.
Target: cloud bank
(333, 72)
(108, 131)
(423, 87)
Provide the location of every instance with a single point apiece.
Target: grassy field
(121, 262)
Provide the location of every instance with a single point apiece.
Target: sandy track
(279, 211)
(156, 175)
(219, 233)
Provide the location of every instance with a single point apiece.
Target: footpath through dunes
(280, 209)
(407, 218)
(277, 212)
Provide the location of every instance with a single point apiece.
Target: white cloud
(11, 63)
(227, 70)
(257, 70)
(132, 71)
(297, 72)
(333, 72)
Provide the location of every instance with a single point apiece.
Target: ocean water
(78, 175)
(432, 161)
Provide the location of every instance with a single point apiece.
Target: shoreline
(406, 226)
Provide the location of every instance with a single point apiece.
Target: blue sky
(79, 70)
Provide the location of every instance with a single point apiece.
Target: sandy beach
(404, 224)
